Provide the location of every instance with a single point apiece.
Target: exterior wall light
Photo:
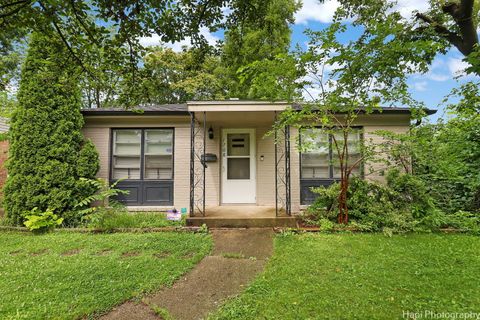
(210, 133)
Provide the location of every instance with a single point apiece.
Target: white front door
(238, 166)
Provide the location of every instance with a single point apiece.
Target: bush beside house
(48, 153)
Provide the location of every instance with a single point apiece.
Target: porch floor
(241, 216)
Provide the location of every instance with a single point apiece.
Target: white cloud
(407, 7)
(457, 67)
(420, 86)
(313, 10)
(438, 71)
(155, 40)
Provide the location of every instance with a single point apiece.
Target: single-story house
(206, 157)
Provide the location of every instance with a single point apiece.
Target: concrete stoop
(260, 222)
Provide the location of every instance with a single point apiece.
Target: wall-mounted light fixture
(210, 133)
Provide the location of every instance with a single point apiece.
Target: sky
(430, 88)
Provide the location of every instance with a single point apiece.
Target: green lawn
(125, 219)
(363, 276)
(69, 275)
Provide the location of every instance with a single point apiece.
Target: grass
(125, 219)
(362, 276)
(70, 275)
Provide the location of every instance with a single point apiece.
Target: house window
(142, 154)
(143, 159)
(127, 151)
(158, 155)
(319, 160)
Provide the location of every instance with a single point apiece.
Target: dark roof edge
(132, 113)
(109, 112)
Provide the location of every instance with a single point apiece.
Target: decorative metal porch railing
(197, 165)
(282, 171)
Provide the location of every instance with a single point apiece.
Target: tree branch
(14, 11)
(64, 39)
(462, 14)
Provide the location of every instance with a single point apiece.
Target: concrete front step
(217, 222)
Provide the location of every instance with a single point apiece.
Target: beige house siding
(4, 125)
(265, 168)
(181, 160)
(98, 128)
(101, 138)
(375, 170)
(294, 170)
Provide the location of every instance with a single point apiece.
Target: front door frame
(247, 186)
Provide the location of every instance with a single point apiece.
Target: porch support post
(276, 167)
(203, 159)
(192, 164)
(288, 204)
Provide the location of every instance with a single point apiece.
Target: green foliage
(46, 156)
(174, 77)
(107, 30)
(104, 193)
(7, 104)
(41, 221)
(3, 136)
(272, 79)
(445, 156)
(86, 268)
(88, 162)
(257, 39)
(361, 276)
(108, 219)
(402, 204)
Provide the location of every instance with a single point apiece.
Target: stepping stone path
(238, 256)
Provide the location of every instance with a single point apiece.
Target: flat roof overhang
(236, 105)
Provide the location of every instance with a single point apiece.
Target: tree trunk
(342, 201)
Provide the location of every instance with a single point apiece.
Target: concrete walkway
(238, 256)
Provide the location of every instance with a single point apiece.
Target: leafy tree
(174, 77)
(355, 78)
(259, 31)
(278, 78)
(115, 26)
(455, 22)
(446, 23)
(48, 153)
(445, 156)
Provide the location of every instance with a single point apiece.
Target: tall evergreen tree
(48, 153)
(260, 32)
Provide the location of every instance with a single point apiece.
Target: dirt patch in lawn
(189, 255)
(15, 253)
(104, 252)
(39, 252)
(71, 252)
(130, 254)
(162, 255)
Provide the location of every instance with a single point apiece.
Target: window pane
(315, 156)
(158, 154)
(238, 144)
(354, 155)
(126, 154)
(159, 142)
(315, 166)
(127, 142)
(238, 168)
